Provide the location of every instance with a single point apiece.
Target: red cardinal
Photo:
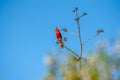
(59, 37)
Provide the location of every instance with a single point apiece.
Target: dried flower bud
(84, 13)
(73, 10)
(57, 42)
(99, 31)
(77, 19)
(76, 8)
(65, 38)
(64, 29)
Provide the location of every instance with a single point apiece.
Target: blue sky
(27, 31)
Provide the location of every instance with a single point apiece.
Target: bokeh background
(27, 32)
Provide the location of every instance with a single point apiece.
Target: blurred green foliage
(101, 64)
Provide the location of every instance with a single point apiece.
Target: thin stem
(90, 38)
(81, 16)
(73, 33)
(79, 35)
(73, 53)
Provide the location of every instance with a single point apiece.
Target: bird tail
(61, 44)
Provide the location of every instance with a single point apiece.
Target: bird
(59, 37)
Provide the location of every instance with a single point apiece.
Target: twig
(97, 33)
(84, 14)
(73, 33)
(65, 30)
(73, 53)
(79, 34)
(90, 38)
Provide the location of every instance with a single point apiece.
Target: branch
(79, 35)
(73, 33)
(90, 38)
(97, 33)
(65, 30)
(73, 53)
